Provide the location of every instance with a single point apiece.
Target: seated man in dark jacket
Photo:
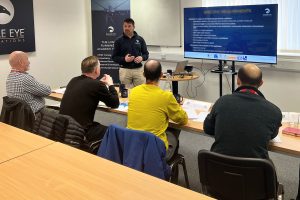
(244, 122)
(83, 94)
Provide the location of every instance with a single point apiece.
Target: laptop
(180, 67)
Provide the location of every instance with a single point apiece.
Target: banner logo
(111, 29)
(107, 26)
(7, 11)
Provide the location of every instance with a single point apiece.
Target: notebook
(291, 131)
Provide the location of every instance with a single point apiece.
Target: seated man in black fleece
(83, 94)
(244, 122)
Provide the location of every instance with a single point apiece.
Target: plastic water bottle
(168, 85)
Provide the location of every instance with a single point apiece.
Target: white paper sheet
(276, 139)
(201, 116)
(196, 105)
(291, 117)
(123, 106)
(191, 113)
(60, 90)
(101, 104)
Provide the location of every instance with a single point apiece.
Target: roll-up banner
(107, 26)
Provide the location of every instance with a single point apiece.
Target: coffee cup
(124, 93)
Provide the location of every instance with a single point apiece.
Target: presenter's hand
(107, 79)
(129, 58)
(138, 59)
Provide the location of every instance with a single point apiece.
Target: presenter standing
(129, 51)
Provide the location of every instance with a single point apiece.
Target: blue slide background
(259, 38)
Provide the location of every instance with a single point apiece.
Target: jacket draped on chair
(139, 150)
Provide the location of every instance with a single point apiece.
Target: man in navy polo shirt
(129, 51)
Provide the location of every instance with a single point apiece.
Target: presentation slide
(234, 33)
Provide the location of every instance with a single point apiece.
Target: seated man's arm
(175, 112)
(109, 96)
(277, 125)
(32, 86)
(209, 122)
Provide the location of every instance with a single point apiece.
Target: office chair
(174, 163)
(138, 150)
(175, 159)
(63, 128)
(236, 178)
(17, 113)
(142, 151)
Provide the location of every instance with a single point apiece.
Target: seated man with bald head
(21, 85)
(244, 122)
(150, 109)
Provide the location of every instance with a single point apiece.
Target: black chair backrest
(17, 112)
(62, 128)
(228, 177)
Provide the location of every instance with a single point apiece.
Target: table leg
(175, 87)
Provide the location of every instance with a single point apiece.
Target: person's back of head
(152, 71)
(18, 61)
(250, 75)
(90, 66)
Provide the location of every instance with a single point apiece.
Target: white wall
(175, 52)
(63, 39)
(149, 13)
(281, 82)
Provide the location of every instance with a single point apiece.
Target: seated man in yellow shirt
(150, 108)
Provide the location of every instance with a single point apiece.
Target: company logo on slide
(267, 12)
(242, 58)
(7, 11)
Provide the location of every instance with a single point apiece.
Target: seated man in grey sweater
(21, 85)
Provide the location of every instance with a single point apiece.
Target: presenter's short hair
(129, 21)
(247, 79)
(88, 64)
(152, 70)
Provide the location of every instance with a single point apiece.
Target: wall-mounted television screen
(232, 33)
